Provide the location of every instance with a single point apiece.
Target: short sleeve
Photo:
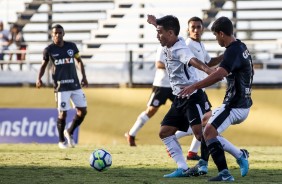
(75, 49)
(46, 54)
(229, 61)
(185, 55)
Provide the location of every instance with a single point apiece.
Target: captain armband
(76, 56)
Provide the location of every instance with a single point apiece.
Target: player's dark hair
(169, 22)
(57, 26)
(223, 24)
(195, 19)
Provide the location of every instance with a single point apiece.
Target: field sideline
(112, 112)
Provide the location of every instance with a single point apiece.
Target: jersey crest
(70, 52)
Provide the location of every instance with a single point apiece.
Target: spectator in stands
(4, 41)
(67, 87)
(237, 67)
(18, 40)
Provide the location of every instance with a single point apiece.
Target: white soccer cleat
(69, 138)
(62, 145)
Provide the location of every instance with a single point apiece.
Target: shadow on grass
(67, 175)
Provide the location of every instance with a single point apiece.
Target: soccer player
(237, 68)
(184, 112)
(161, 91)
(67, 87)
(195, 31)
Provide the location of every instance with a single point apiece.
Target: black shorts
(159, 96)
(184, 112)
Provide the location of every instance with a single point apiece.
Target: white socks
(140, 122)
(174, 149)
(180, 134)
(229, 147)
(195, 145)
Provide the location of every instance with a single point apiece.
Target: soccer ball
(100, 160)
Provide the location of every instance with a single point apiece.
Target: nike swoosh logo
(192, 120)
(225, 178)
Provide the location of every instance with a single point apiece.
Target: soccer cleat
(243, 162)
(200, 169)
(192, 156)
(69, 139)
(223, 175)
(130, 139)
(178, 173)
(62, 145)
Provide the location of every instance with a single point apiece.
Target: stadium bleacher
(112, 33)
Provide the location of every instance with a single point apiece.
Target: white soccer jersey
(200, 53)
(161, 77)
(177, 58)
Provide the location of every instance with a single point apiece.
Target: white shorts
(76, 97)
(223, 117)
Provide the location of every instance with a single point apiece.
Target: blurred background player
(63, 54)
(4, 42)
(161, 91)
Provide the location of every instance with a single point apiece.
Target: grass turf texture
(111, 112)
(144, 164)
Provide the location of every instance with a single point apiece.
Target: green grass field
(111, 112)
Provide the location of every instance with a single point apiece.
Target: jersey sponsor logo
(70, 52)
(67, 81)
(55, 55)
(246, 53)
(63, 61)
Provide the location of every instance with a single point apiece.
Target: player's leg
(173, 121)
(219, 122)
(196, 144)
(78, 100)
(237, 116)
(63, 106)
(158, 97)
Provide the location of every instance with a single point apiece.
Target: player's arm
(213, 78)
(160, 65)
(200, 65)
(84, 82)
(215, 60)
(41, 73)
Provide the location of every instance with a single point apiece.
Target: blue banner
(31, 125)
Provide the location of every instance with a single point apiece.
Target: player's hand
(39, 83)
(84, 82)
(151, 19)
(186, 91)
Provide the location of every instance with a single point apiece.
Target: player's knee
(81, 112)
(209, 132)
(62, 114)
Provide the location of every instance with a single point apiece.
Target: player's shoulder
(50, 46)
